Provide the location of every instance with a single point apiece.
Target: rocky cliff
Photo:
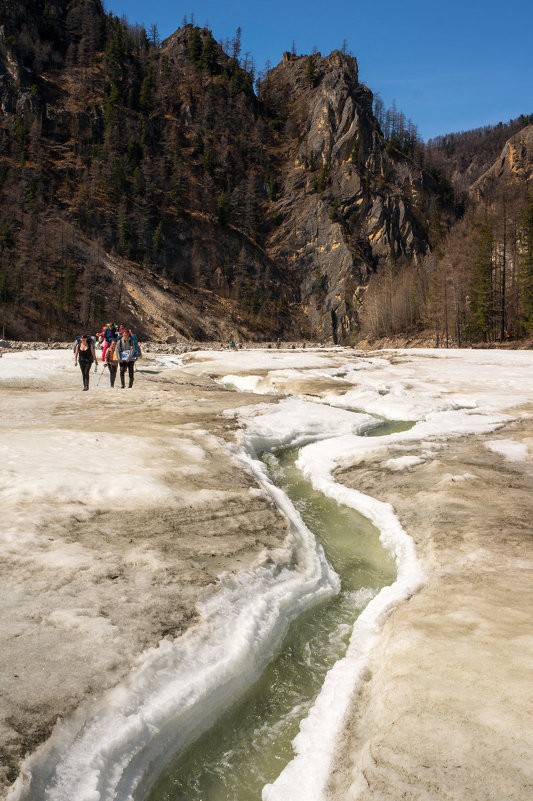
(512, 170)
(347, 203)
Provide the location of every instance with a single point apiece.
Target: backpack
(90, 339)
(109, 333)
(137, 346)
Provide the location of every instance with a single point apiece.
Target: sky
(450, 66)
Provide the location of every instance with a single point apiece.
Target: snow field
(110, 748)
(442, 416)
(182, 686)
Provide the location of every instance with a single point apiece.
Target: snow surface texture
(104, 751)
(514, 451)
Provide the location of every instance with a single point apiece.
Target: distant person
(111, 362)
(126, 356)
(85, 355)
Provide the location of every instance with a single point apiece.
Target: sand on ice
(120, 509)
(446, 707)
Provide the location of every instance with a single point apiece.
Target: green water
(251, 744)
(389, 427)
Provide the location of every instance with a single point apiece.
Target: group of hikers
(120, 351)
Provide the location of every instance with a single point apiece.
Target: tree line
(475, 286)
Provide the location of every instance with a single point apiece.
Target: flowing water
(251, 744)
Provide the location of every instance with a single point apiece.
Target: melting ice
(178, 689)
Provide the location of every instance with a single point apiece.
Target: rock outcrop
(513, 168)
(348, 203)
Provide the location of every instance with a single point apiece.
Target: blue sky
(450, 66)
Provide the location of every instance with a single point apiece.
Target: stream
(251, 744)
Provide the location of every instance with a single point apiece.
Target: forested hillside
(466, 155)
(114, 147)
(160, 184)
(476, 285)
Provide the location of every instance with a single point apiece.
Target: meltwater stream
(251, 744)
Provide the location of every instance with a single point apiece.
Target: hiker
(108, 336)
(126, 356)
(111, 362)
(85, 355)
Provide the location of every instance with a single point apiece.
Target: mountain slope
(512, 170)
(162, 159)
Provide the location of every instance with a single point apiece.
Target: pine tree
(145, 96)
(124, 233)
(526, 265)
(195, 47)
(208, 161)
(208, 52)
(157, 239)
(223, 209)
(236, 45)
(6, 237)
(20, 138)
(5, 294)
(310, 72)
(481, 291)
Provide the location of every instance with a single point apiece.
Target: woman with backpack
(85, 355)
(109, 335)
(111, 361)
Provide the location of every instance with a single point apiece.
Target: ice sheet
(177, 688)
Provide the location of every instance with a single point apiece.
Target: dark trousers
(85, 368)
(129, 367)
(112, 373)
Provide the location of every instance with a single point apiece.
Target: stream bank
(95, 572)
(446, 710)
(247, 748)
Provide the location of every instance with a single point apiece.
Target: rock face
(346, 204)
(514, 167)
